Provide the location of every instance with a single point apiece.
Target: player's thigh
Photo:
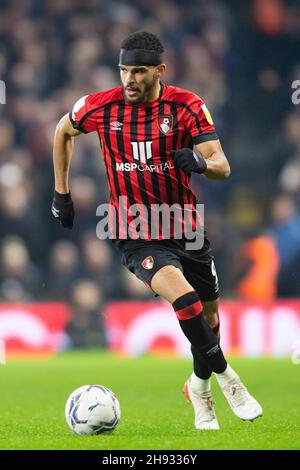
(148, 259)
(169, 282)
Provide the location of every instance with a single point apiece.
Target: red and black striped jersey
(136, 141)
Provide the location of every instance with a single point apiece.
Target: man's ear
(160, 70)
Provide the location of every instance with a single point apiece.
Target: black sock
(205, 342)
(201, 368)
(198, 331)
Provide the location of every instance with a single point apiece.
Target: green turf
(155, 414)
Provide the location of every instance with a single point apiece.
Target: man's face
(138, 82)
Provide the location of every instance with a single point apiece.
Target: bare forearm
(217, 166)
(62, 154)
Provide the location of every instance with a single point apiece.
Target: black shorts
(145, 258)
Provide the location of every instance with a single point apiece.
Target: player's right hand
(63, 209)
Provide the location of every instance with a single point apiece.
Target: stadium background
(241, 58)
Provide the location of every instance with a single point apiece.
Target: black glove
(63, 209)
(189, 161)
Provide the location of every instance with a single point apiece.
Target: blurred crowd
(240, 57)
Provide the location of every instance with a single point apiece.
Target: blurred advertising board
(247, 328)
(36, 328)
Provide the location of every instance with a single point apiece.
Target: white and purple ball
(92, 409)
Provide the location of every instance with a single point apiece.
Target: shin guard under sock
(201, 368)
(188, 310)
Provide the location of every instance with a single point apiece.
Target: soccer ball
(92, 409)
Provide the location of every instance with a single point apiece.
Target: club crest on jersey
(165, 123)
(148, 262)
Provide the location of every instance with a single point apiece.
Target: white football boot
(241, 402)
(243, 405)
(205, 417)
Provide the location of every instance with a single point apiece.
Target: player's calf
(188, 310)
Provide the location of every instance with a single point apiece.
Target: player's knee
(187, 306)
(170, 283)
(213, 320)
(210, 317)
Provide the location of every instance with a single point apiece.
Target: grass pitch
(155, 414)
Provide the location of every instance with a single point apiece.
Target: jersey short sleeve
(83, 115)
(199, 122)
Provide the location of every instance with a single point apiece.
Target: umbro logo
(116, 125)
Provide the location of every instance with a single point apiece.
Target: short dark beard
(148, 88)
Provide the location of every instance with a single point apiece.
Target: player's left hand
(63, 209)
(189, 161)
